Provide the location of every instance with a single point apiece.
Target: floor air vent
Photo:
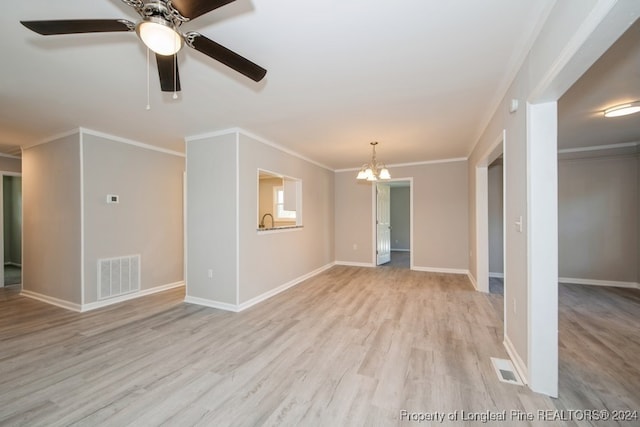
(506, 371)
(118, 276)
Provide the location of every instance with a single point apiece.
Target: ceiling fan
(159, 30)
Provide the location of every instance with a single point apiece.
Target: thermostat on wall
(113, 198)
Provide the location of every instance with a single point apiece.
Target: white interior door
(383, 224)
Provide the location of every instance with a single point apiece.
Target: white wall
(440, 222)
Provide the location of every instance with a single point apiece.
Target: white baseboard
(262, 297)
(104, 303)
(472, 280)
(441, 270)
(211, 303)
(591, 282)
(523, 372)
(14, 264)
(400, 250)
(68, 305)
(354, 264)
(497, 275)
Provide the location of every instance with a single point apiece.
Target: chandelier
(374, 171)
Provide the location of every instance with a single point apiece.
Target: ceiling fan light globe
(159, 36)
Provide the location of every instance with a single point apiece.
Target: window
(278, 208)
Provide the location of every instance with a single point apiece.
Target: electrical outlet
(210, 274)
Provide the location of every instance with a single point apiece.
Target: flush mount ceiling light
(622, 109)
(374, 171)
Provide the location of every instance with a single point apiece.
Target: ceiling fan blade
(226, 56)
(75, 26)
(193, 8)
(168, 72)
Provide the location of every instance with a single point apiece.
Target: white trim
(258, 138)
(237, 148)
(516, 360)
(143, 292)
(472, 280)
(402, 165)
(282, 288)
(52, 138)
(52, 300)
(600, 10)
(599, 147)
(9, 156)
(82, 245)
(211, 303)
(354, 264)
(496, 275)
(114, 138)
(261, 231)
(542, 247)
(260, 298)
(592, 282)
(400, 250)
(131, 142)
(442, 270)
(13, 264)
(513, 69)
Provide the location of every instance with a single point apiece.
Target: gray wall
(12, 215)
(148, 219)
(269, 260)
(496, 230)
(222, 198)
(400, 218)
(598, 218)
(9, 164)
(212, 216)
(440, 221)
(51, 220)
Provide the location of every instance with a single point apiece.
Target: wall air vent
(118, 276)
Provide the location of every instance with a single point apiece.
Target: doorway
(393, 220)
(11, 273)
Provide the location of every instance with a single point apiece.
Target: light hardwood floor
(352, 346)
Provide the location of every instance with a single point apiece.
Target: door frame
(374, 230)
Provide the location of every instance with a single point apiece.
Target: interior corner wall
(440, 216)
(400, 201)
(272, 260)
(212, 217)
(598, 218)
(148, 220)
(51, 219)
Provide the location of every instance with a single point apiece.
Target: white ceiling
(420, 76)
